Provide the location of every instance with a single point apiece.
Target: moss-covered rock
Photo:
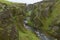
(46, 17)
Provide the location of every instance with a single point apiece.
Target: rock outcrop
(10, 15)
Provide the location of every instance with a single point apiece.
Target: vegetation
(11, 22)
(47, 18)
(43, 16)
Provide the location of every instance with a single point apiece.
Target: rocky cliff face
(12, 17)
(8, 21)
(42, 17)
(41, 10)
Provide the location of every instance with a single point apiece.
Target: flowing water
(37, 32)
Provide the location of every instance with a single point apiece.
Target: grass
(27, 36)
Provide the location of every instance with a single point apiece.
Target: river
(37, 32)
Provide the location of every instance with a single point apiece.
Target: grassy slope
(28, 36)
(54, 15)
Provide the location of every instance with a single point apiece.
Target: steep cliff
(12, 17)
(45, 17)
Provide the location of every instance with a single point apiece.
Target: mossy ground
(28, 36)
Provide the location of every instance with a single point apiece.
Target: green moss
(27, 36)
(54, 14)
